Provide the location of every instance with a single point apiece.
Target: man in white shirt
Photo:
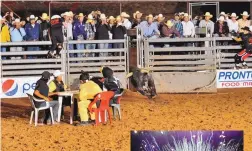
(125, 20)
(188, 27)
(233, 23)
(68, 30)
(208, 24)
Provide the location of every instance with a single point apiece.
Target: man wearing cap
(207, 23)
(17, 34)
(246, 39)
(32, 33)
(56, 35)
(90, 30)
(125, 20)
(233, 23)
(79, 33)
(57, 85)
(88, 90)
(42, 92)
(188, 27)
(244, 22)
(5, 34)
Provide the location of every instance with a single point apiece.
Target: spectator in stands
(149, 28)
(137, 19)
(79, 33)
(56, 36)
(118, 32)
(233, 23)
(44, 30)
(68, 30)
(169, 31)
(17, 34)
(88, 90)
(125, 20)
(5, 34)
(71, 18)
(195, 20)
(244, 22)
(9, 17)
(111, 22)
(221, 28)
(102, 34)
(90, 30)
(23, 23)
(181, 16)
(177, 22)
(160, 21)
(207, 23)
(32, 34)
(188, 27)
(42, 92)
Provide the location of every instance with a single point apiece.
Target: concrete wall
(186, 82)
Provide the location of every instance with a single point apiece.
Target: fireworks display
(186, 140)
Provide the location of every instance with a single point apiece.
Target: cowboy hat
(124, 14)
(17, 20)
(44, 16)
(223, 13)
(32, 17)
(65, 14)
(55, 17)
(234, 15)
(181, 13)
(135, 14)
(187, 15)
(81, 15)
(149, 16)
(161, 16)
(208, 14)
(118, 18)
(245, 13)
(111, 18)
(71, 13)
(103, 16)
(90, 18)
(246, 28)
(221, 18)
(169, 23)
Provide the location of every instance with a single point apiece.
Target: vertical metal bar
(63, 62)
(137, 46)
(120, 7)
(68, 64)
(49, 9)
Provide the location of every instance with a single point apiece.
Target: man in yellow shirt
(88, 90)
(5, 34)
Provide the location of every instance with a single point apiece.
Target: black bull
(142, 80)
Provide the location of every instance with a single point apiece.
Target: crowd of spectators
(97, 26)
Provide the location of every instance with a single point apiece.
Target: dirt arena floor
(226, 110)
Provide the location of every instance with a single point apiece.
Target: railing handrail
(26, 43)
(164, 39)
(96, 41)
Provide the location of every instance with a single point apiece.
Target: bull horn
(129, 74)
(145, 71)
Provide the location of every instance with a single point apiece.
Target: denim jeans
(71, 47)
(55, 108)
(32, 49)
(90, 46)
(103, 46)
(80, 47)
(3, 49)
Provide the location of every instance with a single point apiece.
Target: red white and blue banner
(17, 87)
(234, 78)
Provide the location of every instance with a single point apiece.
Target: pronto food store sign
(234, 78)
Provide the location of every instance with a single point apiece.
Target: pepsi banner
(17, 87)
(234, 78)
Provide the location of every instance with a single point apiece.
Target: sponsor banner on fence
(234, 78)
(17, 87)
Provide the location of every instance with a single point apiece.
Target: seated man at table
(57, 85)
(88, 90)
(42, 92)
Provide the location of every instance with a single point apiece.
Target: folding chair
(116, 106)
(37, 109)
(104, 98)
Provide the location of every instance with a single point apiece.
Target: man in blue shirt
(79, 33)
(32, 34)
(149, 29)
(17, 34)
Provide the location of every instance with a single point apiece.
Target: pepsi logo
(9, 87)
